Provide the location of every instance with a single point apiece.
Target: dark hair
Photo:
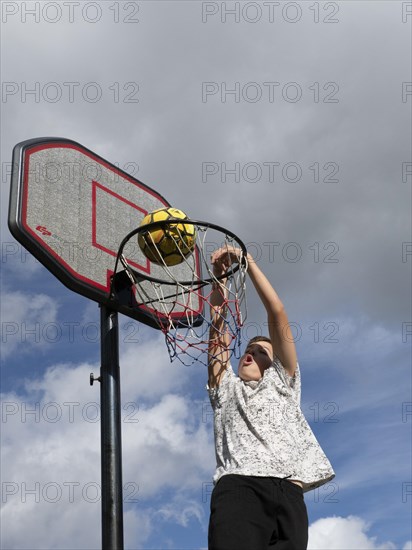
(259, 339)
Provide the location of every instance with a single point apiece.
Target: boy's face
(257, 358)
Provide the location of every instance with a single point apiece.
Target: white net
(184, 309)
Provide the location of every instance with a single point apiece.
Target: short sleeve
(219, 394)
(292, 383)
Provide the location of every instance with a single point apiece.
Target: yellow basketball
(169, 244)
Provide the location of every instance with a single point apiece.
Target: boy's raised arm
(279, 332)
(218, 338)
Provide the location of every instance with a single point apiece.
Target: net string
(184, 341)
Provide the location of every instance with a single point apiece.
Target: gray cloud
(284, 150)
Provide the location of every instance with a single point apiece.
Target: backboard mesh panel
(79, 207)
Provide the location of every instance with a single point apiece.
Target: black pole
(110, 429)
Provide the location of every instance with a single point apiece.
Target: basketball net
(183, 309)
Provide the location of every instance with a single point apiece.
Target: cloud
(51, 430)
(181, 511)
(339, 533)
(51, 462)
(51, 455)
(27, 320)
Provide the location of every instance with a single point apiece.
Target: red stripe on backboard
(37, 237)
(95, 185)
(27, 157)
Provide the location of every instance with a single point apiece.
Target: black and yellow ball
(169, 244)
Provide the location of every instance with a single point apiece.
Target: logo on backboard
(43, 230)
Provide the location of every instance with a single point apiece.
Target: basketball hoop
(180, 308)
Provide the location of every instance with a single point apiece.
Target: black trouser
(257, 513)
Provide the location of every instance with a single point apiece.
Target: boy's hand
(223, 258)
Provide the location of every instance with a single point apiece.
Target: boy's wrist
(250, 259)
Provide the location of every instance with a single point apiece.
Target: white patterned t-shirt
(260, 429)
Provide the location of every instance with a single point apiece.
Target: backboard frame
(34, 239)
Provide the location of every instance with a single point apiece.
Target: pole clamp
(93, 379)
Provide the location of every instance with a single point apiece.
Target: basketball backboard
(71, 209)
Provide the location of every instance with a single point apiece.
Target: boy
(267, 455)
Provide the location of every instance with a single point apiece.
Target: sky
(288, 123)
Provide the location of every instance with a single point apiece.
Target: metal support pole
(110, 426)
